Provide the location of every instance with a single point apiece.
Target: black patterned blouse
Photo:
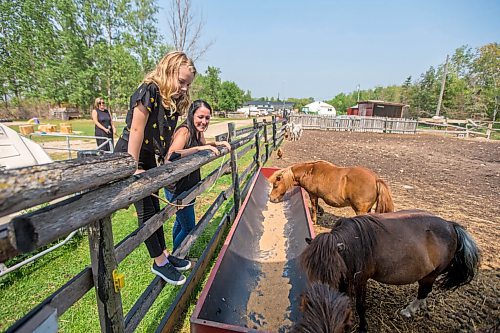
(161, 122)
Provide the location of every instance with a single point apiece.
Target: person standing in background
(104, 126)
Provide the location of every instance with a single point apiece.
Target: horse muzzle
(276, 200)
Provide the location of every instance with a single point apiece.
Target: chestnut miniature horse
(324, 310)
(357, 187)
(393, 248)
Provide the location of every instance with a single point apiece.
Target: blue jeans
(184, 221)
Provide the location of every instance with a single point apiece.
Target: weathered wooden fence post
(488, 130)
(257, 139)
(102, 256)
(231, 128)
(266, 141)
(274, 131)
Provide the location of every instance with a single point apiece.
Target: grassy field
(25, 288)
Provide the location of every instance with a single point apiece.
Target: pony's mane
(340, 256)
(324, 310)
(358, 236)
(286, 175)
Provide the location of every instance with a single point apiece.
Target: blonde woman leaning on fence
(152, 117)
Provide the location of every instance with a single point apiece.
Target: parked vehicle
(18, 151)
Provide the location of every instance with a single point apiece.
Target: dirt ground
(457, 179)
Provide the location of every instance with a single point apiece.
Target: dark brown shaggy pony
(357, 187)
(393, 248)
(324, 310)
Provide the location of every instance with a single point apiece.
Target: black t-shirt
(161, 122)
(190, 180)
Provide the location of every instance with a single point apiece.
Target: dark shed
(64, 113)
(383, 109)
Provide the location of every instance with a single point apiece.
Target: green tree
(211, 84)
(486, 76)
(342, 101)
(230, 96)
(248, 96)
(300, 102)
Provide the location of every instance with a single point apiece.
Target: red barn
(374, 108)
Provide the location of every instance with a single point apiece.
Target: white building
(320, 108)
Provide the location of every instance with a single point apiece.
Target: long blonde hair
(166, 74)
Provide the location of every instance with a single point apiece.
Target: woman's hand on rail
(223, 143)
(138, 171)
(212, 148)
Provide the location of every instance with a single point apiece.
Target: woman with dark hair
(188, 139)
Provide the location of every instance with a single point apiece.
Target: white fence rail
(356, 123)
(463, 128)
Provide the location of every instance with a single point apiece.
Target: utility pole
(442, 87)
(358, 92)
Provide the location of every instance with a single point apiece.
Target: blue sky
(319, 48)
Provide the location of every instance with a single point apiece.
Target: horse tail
(464, 265)
(384, 198)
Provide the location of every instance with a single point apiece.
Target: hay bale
(67, 129)
(26, 129)
(47, 128)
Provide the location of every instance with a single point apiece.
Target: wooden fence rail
(470, 128)
(89, 199)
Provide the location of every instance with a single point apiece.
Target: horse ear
(340, 247)
(308, 240)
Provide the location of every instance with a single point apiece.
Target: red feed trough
(256, 283)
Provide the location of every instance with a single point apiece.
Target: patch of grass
(23, 289)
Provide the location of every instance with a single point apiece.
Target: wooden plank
(179, 305)
(45, 320)
(244, 130)
(245, 150)
(143, 304)
(186, 244)
(39, 228)
(246, 187)
(234, 169)
(239, 132)
(274, 129)
(266, 141)
(102, 257)
(244, 140)
(247, 171)
(138, 236)
(30, 186)
(257, 142)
